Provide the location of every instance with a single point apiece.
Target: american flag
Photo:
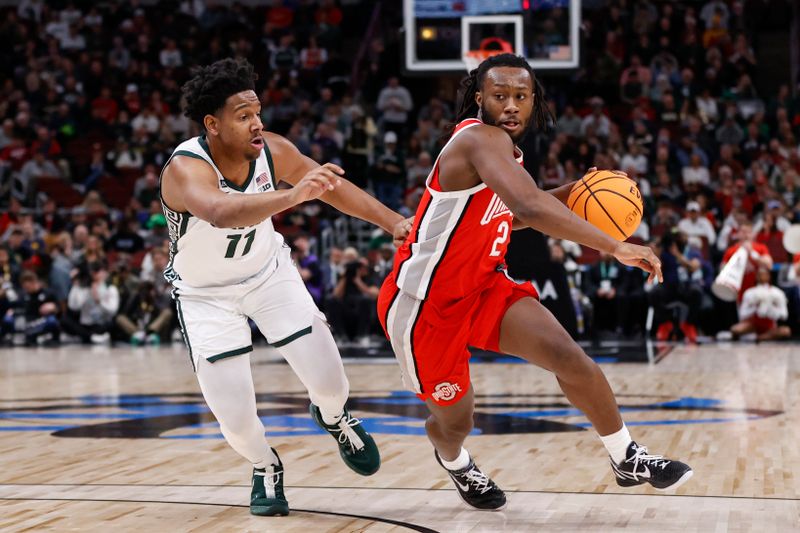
(262, 179)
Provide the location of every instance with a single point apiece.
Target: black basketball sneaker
(639, 468)
(266, 497)
(475, 487)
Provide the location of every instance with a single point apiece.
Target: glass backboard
(438, 33)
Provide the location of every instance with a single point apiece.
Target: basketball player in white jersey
(228, 264)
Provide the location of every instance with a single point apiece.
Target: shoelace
(641, 457)
(478, 479)
(273, 479)
(346, 433)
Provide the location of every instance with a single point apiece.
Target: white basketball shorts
(213, 320)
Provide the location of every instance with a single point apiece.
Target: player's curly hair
(470, 85)
(210, 86)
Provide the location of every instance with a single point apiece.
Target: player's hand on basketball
(640, 257)
(322, 179)
(401, 231)
(620, 172)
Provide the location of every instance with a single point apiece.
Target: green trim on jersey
(182, 324)
(271, 166)
(290, 338)
(170, 214)
(230, 353)
(187, 153)
(169, 272)
(204, 145)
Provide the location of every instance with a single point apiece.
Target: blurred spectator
(284, 58)
(388, 173)
(635, 160)
(569, 122)
(679, 300)
(148, 121)
(419, 170)
(170, 56)
(126, 239)
(309, 267)
(763, 309)
(773, 217)
(696, 224)
(95, 301)
(601, 284)
(359, 148)
(34, 314)
(38, 167)
(757, 255)
(696, 173)
(146, 316)
(351, 308)
(395, 102)
(385, 261)
(312, 56)
(596, 123)
(145, 190)
(332, 269)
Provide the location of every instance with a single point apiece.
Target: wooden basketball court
(96, 437)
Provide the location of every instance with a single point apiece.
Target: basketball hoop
(491, 46)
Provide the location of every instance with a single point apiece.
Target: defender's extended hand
(401, 231)
(317, 182)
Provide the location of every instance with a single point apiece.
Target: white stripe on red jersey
(458, 238)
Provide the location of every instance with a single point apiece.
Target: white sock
(331, 420)
(617, 444)
(460, 462)
(269, 459)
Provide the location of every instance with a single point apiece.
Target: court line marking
(408, 525)
(512, 491)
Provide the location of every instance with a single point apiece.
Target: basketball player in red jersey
(449, 288)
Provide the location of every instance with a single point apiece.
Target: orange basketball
(609, 200)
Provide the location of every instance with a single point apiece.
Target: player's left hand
(401, 231)
(640, 257)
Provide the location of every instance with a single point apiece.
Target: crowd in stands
(90, 111)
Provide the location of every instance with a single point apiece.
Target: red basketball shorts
(762, 325)
(430, 337)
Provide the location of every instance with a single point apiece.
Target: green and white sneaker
(356, 446)
(267, 498)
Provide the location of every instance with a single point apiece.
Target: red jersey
(458, 241)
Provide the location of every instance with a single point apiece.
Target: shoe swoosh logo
(462, 487)
(645, 474)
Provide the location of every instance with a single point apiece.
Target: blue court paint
(187, 416)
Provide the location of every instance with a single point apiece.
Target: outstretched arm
(291, 166)
(190, 184)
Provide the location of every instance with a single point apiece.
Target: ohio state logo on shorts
(445, 391)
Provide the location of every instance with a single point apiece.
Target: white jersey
(202, 255)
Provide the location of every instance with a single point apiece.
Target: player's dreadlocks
(210, 86)
(472, 84)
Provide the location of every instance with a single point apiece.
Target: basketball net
(491, 46)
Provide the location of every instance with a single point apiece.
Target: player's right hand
(640, 257)
(317, 182)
